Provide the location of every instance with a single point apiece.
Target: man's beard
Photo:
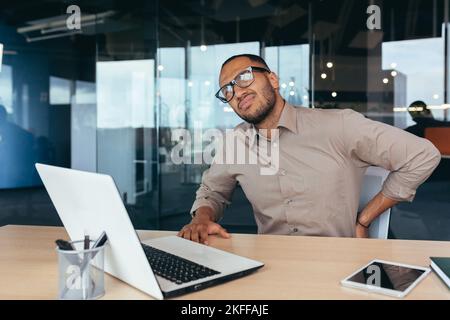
(265, 109)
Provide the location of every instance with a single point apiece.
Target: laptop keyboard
(174, 268)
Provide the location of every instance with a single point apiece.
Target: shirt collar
(288, 118)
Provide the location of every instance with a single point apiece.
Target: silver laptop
(163, 267)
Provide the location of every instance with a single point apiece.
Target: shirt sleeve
(216, 188)
(410, 159)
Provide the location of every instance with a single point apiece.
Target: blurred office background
(106, 98)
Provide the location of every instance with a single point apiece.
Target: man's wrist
(366, 226)
(203, 213)
(364, 218)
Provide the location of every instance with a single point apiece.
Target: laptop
(90, 203)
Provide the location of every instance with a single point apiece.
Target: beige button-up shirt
(323, 155)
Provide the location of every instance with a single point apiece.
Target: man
(423, 118)
(323, 155)
(16, 154)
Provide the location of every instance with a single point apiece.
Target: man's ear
(274, 81)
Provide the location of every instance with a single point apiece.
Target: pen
(100, 240)
(86, 242)
(98, 243)
(84, 277)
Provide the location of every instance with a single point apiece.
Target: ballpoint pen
(84, 276)
(86, 242)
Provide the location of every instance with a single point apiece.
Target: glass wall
(421, 81)
(110, 96)
(126, 120)
(291, 64)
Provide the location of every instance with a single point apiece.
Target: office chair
(439, 136)
(372, 183)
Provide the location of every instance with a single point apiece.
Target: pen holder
(81, 273)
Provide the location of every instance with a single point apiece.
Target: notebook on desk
(441, 265)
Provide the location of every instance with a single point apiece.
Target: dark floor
(426, 218)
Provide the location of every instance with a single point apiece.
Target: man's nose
(239, 92)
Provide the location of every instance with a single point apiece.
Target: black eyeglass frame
(233, 82)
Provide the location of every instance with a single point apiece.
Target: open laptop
(89, 203)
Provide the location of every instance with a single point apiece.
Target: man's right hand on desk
(201, 226)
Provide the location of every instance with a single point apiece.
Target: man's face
(254, 103)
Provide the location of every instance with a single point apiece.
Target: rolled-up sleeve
(410, 159)
(216, 189)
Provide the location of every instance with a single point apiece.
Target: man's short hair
(252, 57)
(422, 111)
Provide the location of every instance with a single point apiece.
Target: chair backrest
(440, 137)
(372, 183)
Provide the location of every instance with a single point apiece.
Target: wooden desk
(296, 267)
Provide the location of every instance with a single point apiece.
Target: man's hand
(201, 226)
(373, 209)
(361, 232)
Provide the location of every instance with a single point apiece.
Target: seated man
(323, 155)
(423, 118)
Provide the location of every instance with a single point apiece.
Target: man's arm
(410, 160)
(379, 204)
(213, 195)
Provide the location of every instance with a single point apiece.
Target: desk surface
(296, 267)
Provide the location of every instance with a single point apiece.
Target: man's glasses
(242, 80)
